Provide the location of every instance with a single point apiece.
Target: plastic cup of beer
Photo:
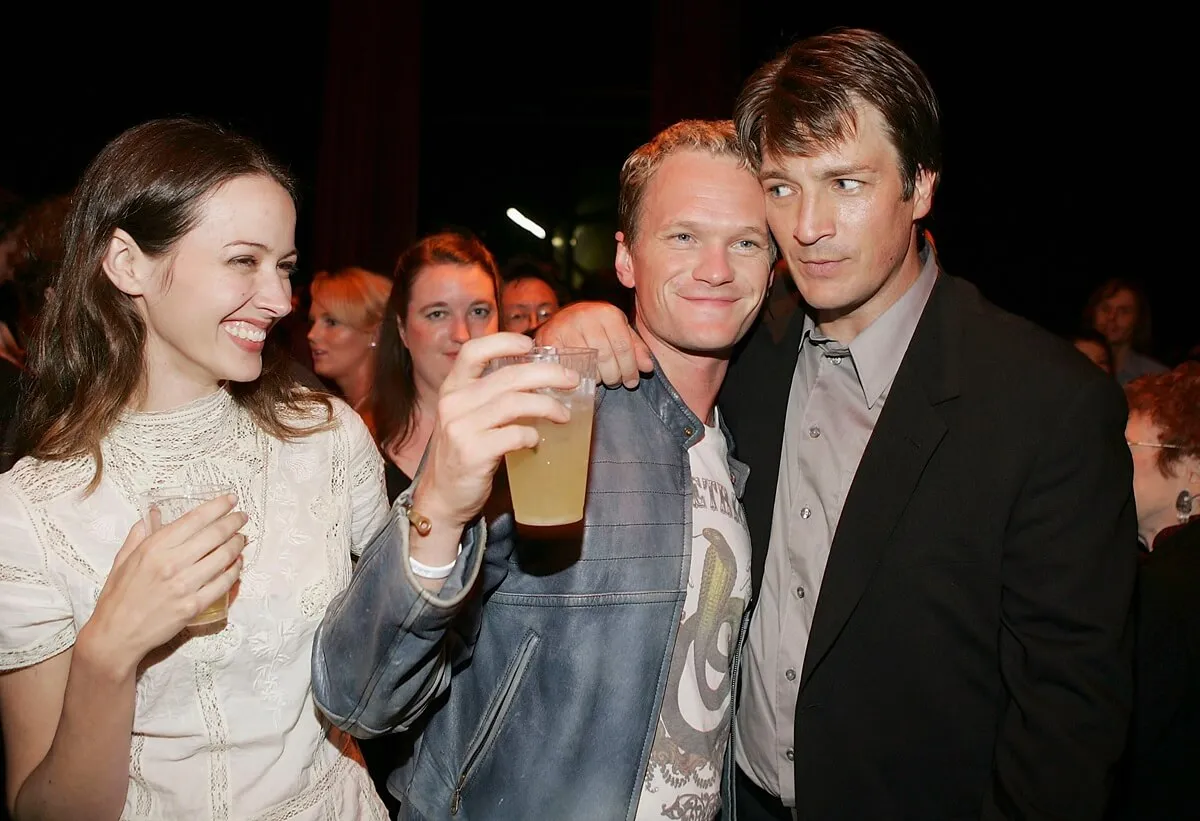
(171, 503)
(548, 482)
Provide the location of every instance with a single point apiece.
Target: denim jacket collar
(660, 395)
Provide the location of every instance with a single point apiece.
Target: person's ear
(624, 261)
(125, 265)
(923, 187)
(1193, 478)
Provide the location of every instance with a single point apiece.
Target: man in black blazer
(939, 499)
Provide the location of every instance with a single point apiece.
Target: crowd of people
(857, 543)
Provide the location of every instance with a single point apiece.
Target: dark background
(404, 117)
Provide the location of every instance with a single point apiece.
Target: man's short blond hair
(715, 137)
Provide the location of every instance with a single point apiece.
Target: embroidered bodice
(225, 726)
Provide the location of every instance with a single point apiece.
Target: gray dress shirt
(836, 396)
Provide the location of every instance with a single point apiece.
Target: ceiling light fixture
(526, 223)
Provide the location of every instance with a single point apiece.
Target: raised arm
(387, 644)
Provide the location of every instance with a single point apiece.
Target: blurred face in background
(1117, 317)
(338, 348)
(527, 303)
(447, 305)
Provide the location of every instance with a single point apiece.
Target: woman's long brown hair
(394, 392)
(87, 358)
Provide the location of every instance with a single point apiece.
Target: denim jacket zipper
(493, 722)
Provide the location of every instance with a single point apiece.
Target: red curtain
(366, 192)
(366, 183)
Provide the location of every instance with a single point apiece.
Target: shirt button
(799, 592)
(814, 432)
(837, 360)
(805, 512)
(791, 674)
(790, 755)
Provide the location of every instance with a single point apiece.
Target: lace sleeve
(368, 492)
(36, 620)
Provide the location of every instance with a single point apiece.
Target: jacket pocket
(493, 720)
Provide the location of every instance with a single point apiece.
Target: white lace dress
(225, 726)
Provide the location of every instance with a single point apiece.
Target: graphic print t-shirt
(683, 777)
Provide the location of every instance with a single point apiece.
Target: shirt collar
(878, 350)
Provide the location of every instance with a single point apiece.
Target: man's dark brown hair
(804, 101)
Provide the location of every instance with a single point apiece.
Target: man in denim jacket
(577, 678)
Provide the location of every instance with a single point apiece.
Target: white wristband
(427, 572)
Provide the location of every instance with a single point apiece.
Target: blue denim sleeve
(387, 645)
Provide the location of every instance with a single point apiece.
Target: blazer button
(791, 674)
(790, 755)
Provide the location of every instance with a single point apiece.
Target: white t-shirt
(224, 724)
(683, 777)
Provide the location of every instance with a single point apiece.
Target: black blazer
(971, 649)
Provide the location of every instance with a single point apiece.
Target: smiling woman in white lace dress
(151, 370)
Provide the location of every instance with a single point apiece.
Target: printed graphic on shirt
(714, 495)
(683, 777)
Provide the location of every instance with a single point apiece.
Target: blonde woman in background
(347, 308)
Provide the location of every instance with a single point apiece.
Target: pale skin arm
(622, 357)
(68, 720)
(67, 737)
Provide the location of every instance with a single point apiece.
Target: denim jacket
(533, 680)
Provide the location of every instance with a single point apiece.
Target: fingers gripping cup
(548, 482)
(161, 506)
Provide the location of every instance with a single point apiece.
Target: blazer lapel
(905, 437)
